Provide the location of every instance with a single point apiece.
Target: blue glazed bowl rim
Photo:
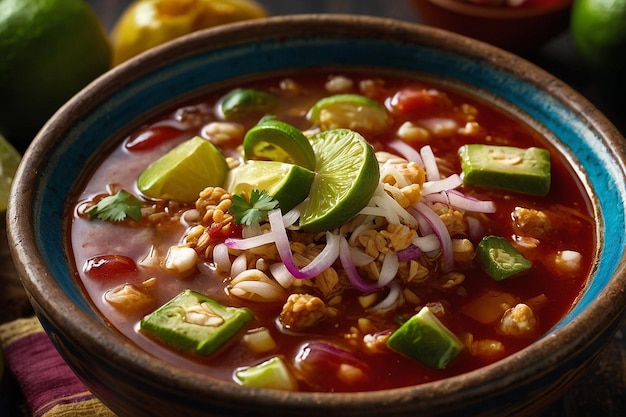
(105, 109)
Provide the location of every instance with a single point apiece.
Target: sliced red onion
(360, 229)
(321, 262)
(409, 254)
(388, 270)
(448, 183)
(387, 207)
(353, 275)
(430, 164)
(427, 243)
(291, 216)
(250, 242)
(281, 274)
(406, 151)
(260, 239)
(463, 202)
(423, 226)
(359, 258)
(460, 201)
(475, 229)
(442, 233)
(389, 300)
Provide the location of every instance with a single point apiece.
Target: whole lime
(49, 50)
(598, 29)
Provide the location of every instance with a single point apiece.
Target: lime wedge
(184, 171)
(347, 175)
(287, 183)
(350, 111)
(9, 160)
(273, 140)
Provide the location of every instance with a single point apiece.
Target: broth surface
(446, 120)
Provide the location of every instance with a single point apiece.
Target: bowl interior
(133, 92)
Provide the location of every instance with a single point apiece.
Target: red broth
(108, 254)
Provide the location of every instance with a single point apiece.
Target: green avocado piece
(425, 338)
(506, 167)
(195, 323)
(499, 258)
(273, 373)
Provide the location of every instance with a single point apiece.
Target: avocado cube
(507, 168)
(273, 373)
(195, 323)
(426, 339)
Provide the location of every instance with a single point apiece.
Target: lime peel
(278, 141)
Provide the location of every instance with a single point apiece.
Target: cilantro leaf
(116, 207)
(253, 211)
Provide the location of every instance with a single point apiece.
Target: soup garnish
(333, 233)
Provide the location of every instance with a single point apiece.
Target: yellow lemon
(148, 23)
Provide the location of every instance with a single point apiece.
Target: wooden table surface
(601, 391)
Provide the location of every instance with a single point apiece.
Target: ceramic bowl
(516, 29)
(134, 383)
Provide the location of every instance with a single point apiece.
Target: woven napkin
(49, 386)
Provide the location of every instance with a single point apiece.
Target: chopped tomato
(107, 266)
(152, 137)
(224, 230)
(418, 101)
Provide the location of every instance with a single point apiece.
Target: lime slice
(184, 171)
(350, 111)
(273, 140)
(9, 160)
(287, 183)
(346, 177)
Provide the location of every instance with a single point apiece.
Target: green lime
(287, 183)
(9, 160)
(273, 140)
(50, 49)
(346, 176)
(350, 111)
(246, 101)
(598, 29)
(184, 171)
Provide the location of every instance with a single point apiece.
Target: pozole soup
(333, 231)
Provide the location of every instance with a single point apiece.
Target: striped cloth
(49, 386)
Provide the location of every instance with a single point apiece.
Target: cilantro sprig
(252, 211)
(116, 207)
